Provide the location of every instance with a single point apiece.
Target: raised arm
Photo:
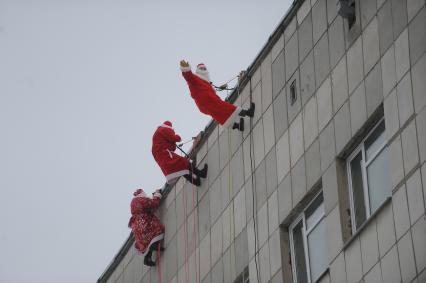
(186, 71)
(171, 136)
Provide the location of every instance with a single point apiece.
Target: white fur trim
(157, 195)
(232, 118)
(165, 126)
(175, 175)
(155, 239)
(185, 69)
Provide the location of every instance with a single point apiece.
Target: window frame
(364, 166)
(305, 234)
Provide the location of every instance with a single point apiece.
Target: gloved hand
(184, 64)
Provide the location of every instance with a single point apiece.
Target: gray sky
(83, 85)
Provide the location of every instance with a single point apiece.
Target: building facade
(328, 182)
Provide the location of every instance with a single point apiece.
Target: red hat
(168, 123)
(139, 193)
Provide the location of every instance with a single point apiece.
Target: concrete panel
(417, 30)
(399, 16)
(313, 165)
(278, 74)
(298, 181)
(400, 212)
(402, 58)
(353, 262)
(296, 139)
(283, 156)
(322, 60)
(307, 78)
(319, 19)
(415, 197)
(268, 129)
(273, 212)
(280, 114)
(342, 127)
(369, 247)
(384, 17)
(370, 39)
(284, 198)
(410, 151)
(419, 84)
(355, 65)
(419, 241)
(406, 258)
(368, 10)
(374, 89)
(271, 172)
(291, 56)
(337, 41)
(305, 37)
(358, 108)
(385, 230)
(339, 80)
(310, 121)
(327, 146)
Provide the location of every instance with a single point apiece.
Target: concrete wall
(345, 79)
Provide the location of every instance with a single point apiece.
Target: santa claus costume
(209, 102)
(173, 165)
(147, 228)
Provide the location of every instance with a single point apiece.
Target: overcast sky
(83, 85)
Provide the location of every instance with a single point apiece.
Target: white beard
(203, 74)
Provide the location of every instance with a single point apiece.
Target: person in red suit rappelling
(173, 165)
(146, 227)
(209, 102)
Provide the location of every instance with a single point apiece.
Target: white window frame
(364, 165)
(305, 234)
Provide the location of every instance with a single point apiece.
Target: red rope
(185, 229)
(158, 261)
(194, 232)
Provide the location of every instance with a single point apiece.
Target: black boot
(239, 126)
(249, 112)
(193, 180)
(201, 173)
(147, 260)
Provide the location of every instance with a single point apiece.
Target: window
(368, 175)
(308, 243)
(243, 277)
(293, 93)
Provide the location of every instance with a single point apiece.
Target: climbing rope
(185, 228)
(231, 214)
(253, 182)
(195, 228)
(158, 261)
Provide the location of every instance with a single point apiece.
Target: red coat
(146, 227)
(163, 147)
(208, 101)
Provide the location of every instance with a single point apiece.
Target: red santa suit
(206, 98)
(146, 227)
(163, 147)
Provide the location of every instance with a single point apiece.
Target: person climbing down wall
(173, 165)
(146, 227)
(209, 102)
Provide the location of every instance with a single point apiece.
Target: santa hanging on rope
(209, 102)
(146, 227)
(173, 165)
